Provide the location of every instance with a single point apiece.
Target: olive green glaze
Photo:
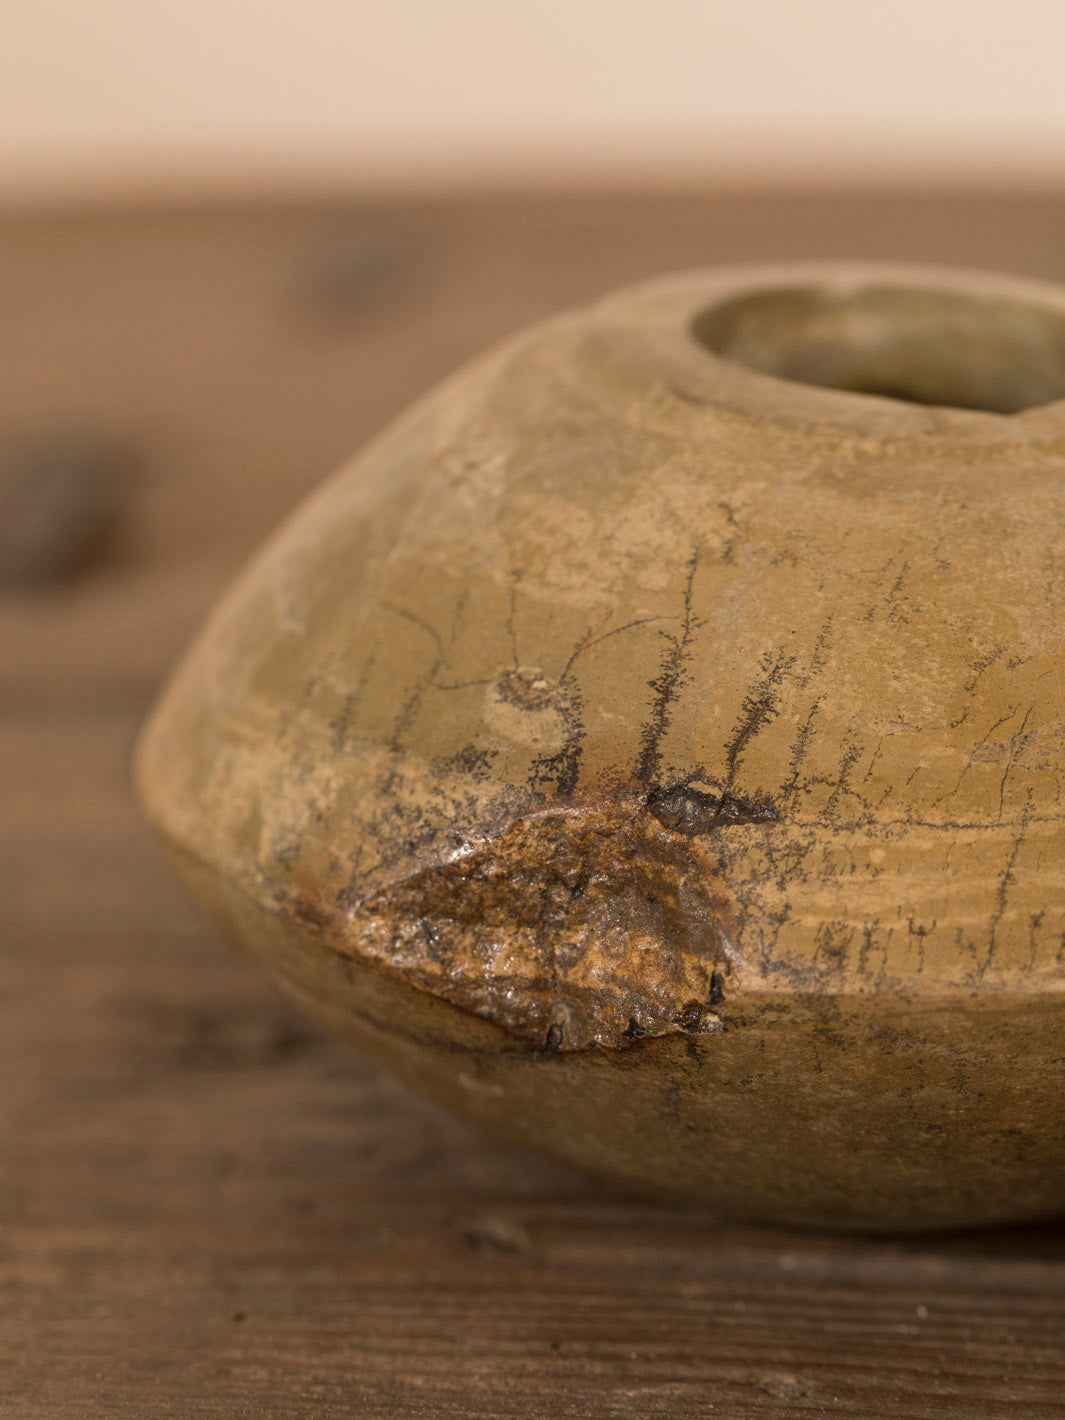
(653, 744)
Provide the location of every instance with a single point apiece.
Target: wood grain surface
(207, 1209)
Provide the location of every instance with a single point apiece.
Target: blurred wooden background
(206, 1208)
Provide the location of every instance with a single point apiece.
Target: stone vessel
(653, 744)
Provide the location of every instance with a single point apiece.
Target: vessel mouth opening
(924, 346)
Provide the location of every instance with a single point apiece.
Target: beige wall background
(118, 96)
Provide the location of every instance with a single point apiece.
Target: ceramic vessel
(653, 744)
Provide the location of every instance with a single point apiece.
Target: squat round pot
(653, 744)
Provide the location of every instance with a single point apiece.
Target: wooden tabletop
(207, 1208)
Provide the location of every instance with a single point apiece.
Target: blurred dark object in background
(60, 509)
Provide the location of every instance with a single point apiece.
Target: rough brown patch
(575, 927)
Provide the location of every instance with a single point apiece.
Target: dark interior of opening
(924, 346)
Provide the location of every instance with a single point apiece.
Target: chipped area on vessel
(585, 926)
